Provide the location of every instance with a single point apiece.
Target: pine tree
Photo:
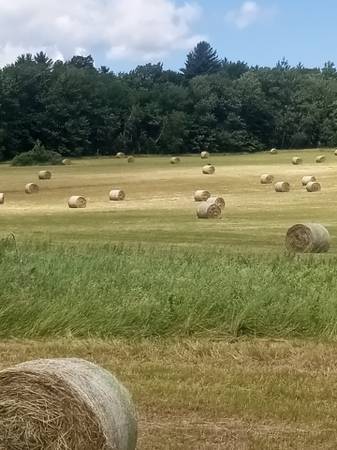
(202, 60)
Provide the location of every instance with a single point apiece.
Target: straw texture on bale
(120, 155)
(297, 160)
(31, 188)
(64, 404)
(201, 196)
(117, 195)
(273, 151)
(131, 159)
(204, 155)
(219, 201)
(208, 169)
(282, 186)
(44, 175)
(208, 210)
(320, 158)
(308, 238)
(2, 198)
(66, 162)
(175, 160)
(313, 186)
(266, 178)
(306, 179)
(77, 201)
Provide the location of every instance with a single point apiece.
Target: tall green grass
(113, 290)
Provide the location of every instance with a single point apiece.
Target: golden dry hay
(282, 186)
(296, 160)
(66, 162)
(208, 210)
(65, 404)
(131, 159)
(120, 155)
(201, 195)
(266, 178)
(44, 175)
(313, 186)
(2, 198)
(175, 160)
(320, 158)
(77, 201)
(306, 179)
(335, 152)
(204, 155)
(273, 151)
(32, 188)
(219, 201)
(308, 238)
(117, 195)
(209, 169)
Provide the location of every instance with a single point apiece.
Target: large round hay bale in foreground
(175, 160)
(32, 188)
(219, 201)
(120, 155)
(66, 162)
(208, 169)
(2, 198)
(201, 195)
(296, 160)
(44, 175)
(208, 210)
(266, 178)
(313, 186)
(65, 404)
(204, 155)
(273, 151)
(308, 238)
(282, 186)
(307, 179)
(131, 159)
(117, 195)
(77, 201)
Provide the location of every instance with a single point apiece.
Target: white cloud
(123, 29)
(249, 13)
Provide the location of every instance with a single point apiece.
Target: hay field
(159, 205)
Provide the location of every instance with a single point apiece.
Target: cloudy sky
(125, 33)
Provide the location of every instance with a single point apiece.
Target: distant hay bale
(320, 158)
(208, 211)
(201, 195)
(219, 201)
(66, 162)
(175, 160)
(204, 155)
(308, 238)
(209, 169)
(273, 151)
(306, 179)
(131, 159)
(313, 186)
(335, 152)
(297, 160)
(120, 155)
(117, 195)
(282, 186)
(32, 188)
(44, 175)
(77, 201)
(266, 178)
(2, 198)
(65, 404)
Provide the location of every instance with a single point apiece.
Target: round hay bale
(66, 162)
(120, 155)
(320, 158)
(175, 160)
(201, 195)
(44, 175)
(32, 188)
(219, 201)
(2, 198)
(204, 155)
(313, 186)
(208, 210)
(335, 152)
(117, 195)
(308, 238)
(65, 404)
(266, 178)
(131, 159)
(297, 160)
(282, 186)
(307, 179)
(209, 169)
(273, 151)
(77, 201)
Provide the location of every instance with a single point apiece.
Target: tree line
(212, 104)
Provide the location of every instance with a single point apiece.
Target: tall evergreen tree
(202, 60)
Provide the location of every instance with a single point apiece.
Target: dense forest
(77, 109)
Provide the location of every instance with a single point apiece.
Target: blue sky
(124, 33)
